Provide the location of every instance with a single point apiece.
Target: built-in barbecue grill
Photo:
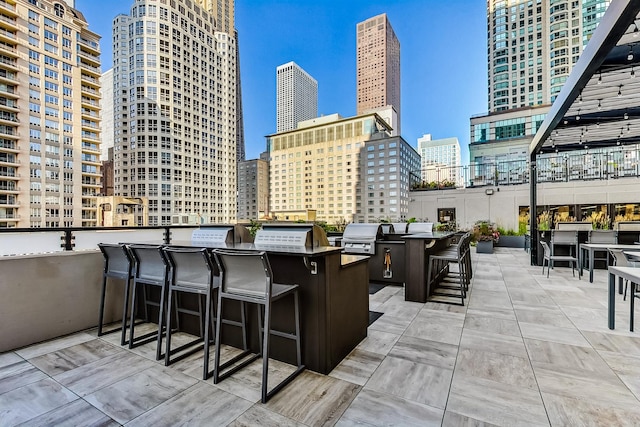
(290, 236)
(221, 235)
(361, 238)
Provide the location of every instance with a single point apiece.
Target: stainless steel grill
(419, 227)
(361, 238)
(291, 236)
(221, 234)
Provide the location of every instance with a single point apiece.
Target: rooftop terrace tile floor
(525, 350)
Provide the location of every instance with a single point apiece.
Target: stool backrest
(117, 260)
(149, 263)
(189, 267)
(245, 273)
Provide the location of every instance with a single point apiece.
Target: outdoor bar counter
(334, 303)
(418, 248)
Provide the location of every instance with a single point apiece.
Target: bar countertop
(279, 249)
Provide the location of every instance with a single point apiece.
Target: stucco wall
(473, 204)
(50, 295)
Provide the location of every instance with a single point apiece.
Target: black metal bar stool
(460, 254)
(246, 276)
(149, 269)
(117, 265)
(191, 271)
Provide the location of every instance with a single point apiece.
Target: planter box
(484, 247)
(511, 242)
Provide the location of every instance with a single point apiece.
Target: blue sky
(442, 45)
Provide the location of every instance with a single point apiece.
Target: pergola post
(533, 220)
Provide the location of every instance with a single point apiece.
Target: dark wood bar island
(334, 303)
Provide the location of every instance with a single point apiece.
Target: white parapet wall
(51, 295)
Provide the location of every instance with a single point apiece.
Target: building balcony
(90, 93)
(88, 60)
(86, 102)
(6, 61)
(7, 201)
(9, 187)
(513, 357)
(7, 36)
(9, 159)
(9, 8)
(9, 132)
(8, 23)
(8, 104)
(95, 71)
(90, 80)
(90, 45)
(8, 49)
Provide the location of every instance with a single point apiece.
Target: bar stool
(149, 269)
(117, 265)
(191, 271)
(460, 254)
(246, 276)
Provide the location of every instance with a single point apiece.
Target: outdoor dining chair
(549, 259)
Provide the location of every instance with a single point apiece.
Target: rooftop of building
(525, 350)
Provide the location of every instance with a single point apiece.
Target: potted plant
(510, 238)
(486, 235)
(599, 221)
(544, 221)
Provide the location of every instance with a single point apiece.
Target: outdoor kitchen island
(418, 248)
(333, 291)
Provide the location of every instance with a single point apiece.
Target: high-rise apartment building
(377, 65)
(49, 115)
(344, 169)
(296, 96)
(106, 114)
(532, 47)
(440, 159)
(253, 189)
(175, 109)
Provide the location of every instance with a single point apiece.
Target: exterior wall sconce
(488, 191)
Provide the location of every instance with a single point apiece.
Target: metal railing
(620, 162)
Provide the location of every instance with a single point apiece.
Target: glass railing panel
(88, 240)
(24, 243)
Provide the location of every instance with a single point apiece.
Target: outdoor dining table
(590, 248)
(631, 274)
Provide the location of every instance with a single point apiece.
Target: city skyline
(443, 59)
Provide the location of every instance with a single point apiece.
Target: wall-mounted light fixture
(488, 191)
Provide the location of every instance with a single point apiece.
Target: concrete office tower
(49, 116)
(296, 96)
(440, 159)
(346, 169)
(377, 66)
(532, 47)
(175, 107)
(106, 113)
(253, 189)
